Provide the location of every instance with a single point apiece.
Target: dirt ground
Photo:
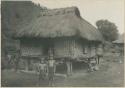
(111, 74)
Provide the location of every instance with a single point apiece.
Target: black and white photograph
(62, 43)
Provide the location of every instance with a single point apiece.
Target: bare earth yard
(111, 74)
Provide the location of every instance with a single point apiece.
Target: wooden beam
(26, 65)
(69, 67)
(54, 68)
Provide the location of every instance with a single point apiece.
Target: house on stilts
(64, 32)
(119, 44)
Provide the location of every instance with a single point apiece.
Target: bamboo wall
(63, 48)
(72, 48)
(92, 51)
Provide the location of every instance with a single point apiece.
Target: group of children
(46, 70)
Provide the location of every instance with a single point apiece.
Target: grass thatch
(120, 40)
(59, 23)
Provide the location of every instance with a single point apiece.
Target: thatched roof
(120, 40)
(59, 23)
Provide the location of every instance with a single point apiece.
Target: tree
(12, 14)
(108, 29)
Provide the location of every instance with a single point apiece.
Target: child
(42, 70)
(51, 65)
(93, 65)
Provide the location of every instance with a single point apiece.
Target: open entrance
(61, 68)
(79, 66)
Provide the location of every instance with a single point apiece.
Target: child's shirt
(42, 66)
(51, 63)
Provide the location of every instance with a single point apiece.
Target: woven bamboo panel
(68, 48)
(77, 50)
(92, 51)
(63, 48)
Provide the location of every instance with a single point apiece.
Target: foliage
(108, 29)
(12, 14)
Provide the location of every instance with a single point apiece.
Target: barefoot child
(42, 70)
(51, 63)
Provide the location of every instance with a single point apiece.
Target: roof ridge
(59, 11)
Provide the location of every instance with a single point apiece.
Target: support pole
(54, 68)
(69, 67)
(98, 59)
(26, 65)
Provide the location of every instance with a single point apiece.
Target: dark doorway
(61, 68)
(79, 66)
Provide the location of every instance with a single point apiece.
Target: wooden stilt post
(31, 63)
(98, 59)
(54, 68)
(68, 67)
(26, 66)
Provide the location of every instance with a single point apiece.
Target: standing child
(51, 67)
(42, 70)
(51, 63)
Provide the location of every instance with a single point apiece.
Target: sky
(92, 10)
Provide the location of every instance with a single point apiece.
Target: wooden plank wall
(31, 48)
